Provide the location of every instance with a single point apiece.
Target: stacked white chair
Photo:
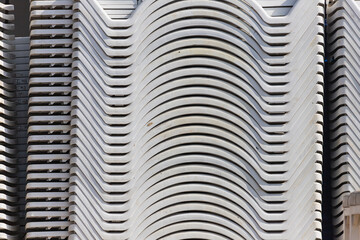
(197, 119)
(21, 80)
(344, 78)
(49, 119)
(8, 188)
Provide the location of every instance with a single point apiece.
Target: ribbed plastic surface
(344, 78)
(49, 119)
(197, 119)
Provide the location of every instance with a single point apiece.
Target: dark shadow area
(22, 15)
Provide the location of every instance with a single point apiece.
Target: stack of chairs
(197, 119)
(344, 88)
(8, 178)
(49, 119)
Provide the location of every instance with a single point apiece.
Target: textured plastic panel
(21, 78)
(197, 119)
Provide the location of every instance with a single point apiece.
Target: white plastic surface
(197, 119)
